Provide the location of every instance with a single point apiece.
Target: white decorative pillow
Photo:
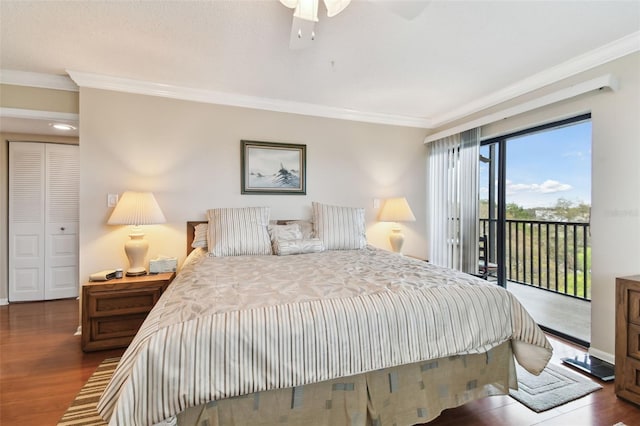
(285, 232)
(239, 231)
(339, 228)
(306, 227)
(200, 235)
(300, 246)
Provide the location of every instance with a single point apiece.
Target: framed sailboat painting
(273, 168)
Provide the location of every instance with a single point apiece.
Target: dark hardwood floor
(42, 368)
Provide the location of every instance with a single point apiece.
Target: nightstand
(628, 338)
(114, 310)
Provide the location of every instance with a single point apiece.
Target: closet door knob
(62, 228)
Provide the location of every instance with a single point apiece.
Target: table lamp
(136, 208)
(396, 210)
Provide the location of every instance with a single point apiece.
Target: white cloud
(547, 187)
(576, 154)
(580, 154)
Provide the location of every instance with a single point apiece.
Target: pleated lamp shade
(396, 210)
(136, 208)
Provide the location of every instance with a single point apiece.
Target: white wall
(188, 154)
(615, 190)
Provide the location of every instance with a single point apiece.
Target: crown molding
(97, 81)
(32, 114)
(607, 53)
(34, 79)
(608, 81)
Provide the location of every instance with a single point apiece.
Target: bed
(334, 332)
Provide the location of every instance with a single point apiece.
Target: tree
(514, 211)
(572, 212)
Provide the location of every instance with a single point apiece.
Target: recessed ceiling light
(62, 126)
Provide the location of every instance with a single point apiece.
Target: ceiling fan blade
(291, 4)
(335, 6)
(302, 33)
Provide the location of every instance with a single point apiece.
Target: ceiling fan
(305, 15)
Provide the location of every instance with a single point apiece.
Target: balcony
(548, 268)
(564, 315)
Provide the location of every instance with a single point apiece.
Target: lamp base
(135, 272)
(396, 239)
(136, 250)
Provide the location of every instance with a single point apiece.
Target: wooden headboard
(191, 231)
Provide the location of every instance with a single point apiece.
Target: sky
(268, 160)
(546, 166)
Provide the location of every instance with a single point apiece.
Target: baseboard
(605, 356)
(4, 302)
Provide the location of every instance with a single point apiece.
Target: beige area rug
(82, 411)
(556, 385)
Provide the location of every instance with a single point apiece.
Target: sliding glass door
(534, 185)
(534, 194)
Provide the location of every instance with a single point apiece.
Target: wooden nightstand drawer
(633, 341)
(631, 380)
(113, 311)
(121, 328)
(126, 301)
(634, 307)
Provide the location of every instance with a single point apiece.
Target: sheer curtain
(453, 201)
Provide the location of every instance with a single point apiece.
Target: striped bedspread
(237, 325)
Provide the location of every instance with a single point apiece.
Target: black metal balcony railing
(555, 256)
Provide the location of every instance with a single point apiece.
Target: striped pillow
(239, 231)
(339, 228)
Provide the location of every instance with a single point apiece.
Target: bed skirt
(404, 395)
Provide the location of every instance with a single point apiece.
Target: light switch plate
(112, 200)
(376, 203)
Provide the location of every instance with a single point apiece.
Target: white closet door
(61, 226)
(26, 221)
(43, 221)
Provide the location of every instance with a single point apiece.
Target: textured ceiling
(368, 58)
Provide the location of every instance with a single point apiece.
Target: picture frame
(273, 168)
